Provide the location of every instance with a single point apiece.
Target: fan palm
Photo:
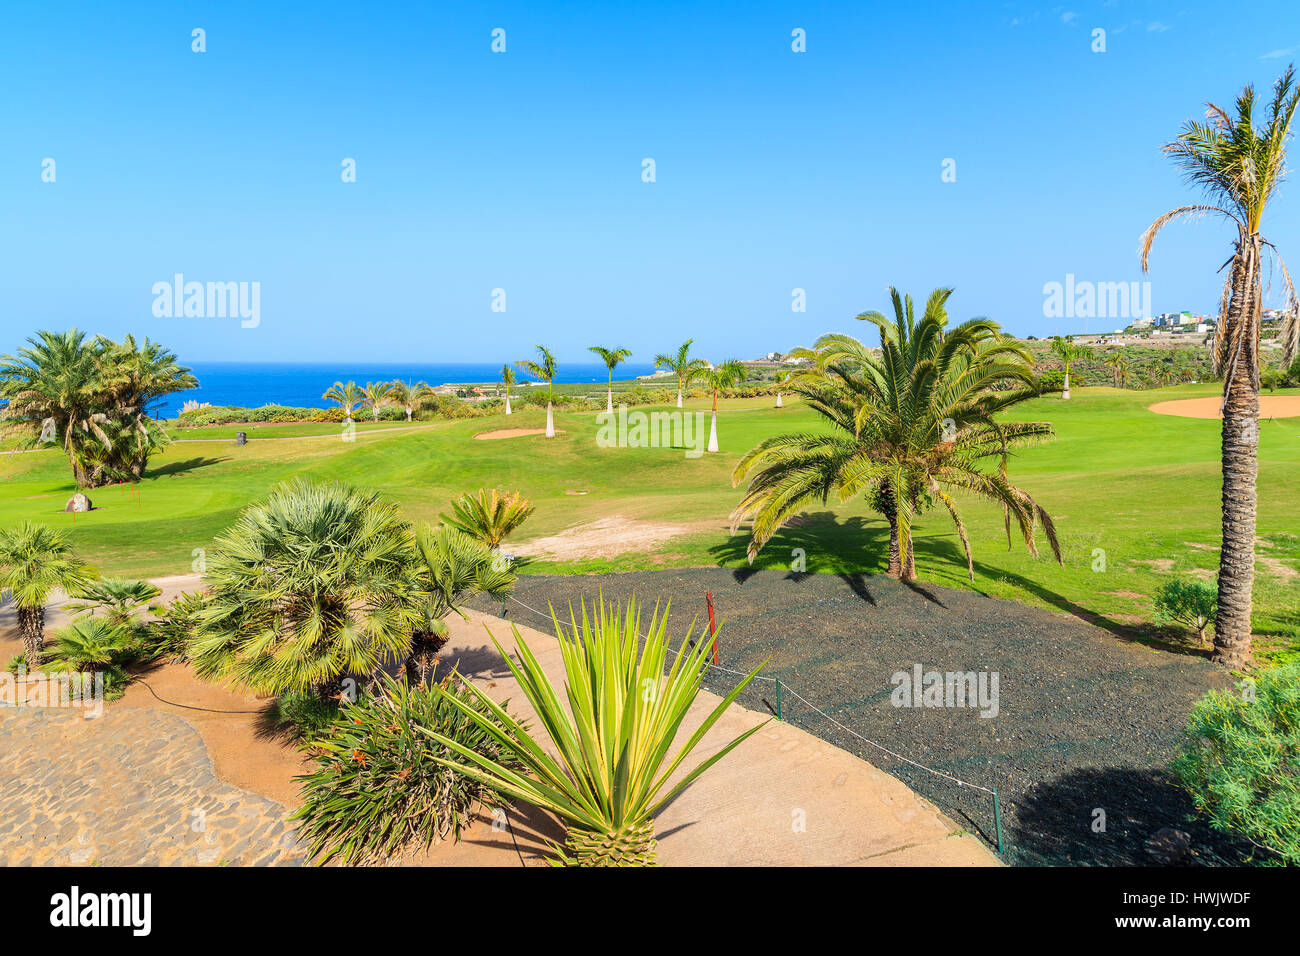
(119, 599)
(507, 379)
(489, 516)
(908, 427)
(682, 365)
(612, 358)
(543, 370)
(1239, 166)
(451, 568)
(34, 561)
(347, 396)
(408, 394)
(307, 587)
(1067, 351)
(92, 644)
(610, 776)
(716, 379)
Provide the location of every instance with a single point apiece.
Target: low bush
(1188, 603)
(1241, 758)
(377, 789)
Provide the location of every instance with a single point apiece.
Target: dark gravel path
(1085, 721)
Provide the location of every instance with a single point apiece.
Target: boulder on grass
(78, 502)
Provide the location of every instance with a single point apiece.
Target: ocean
(251, 384)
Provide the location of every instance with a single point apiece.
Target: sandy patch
(598, 539)
(1270, 406)
(1283, 572)
(513, 433)
(1160, 564)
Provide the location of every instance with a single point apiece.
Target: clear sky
(522, 170)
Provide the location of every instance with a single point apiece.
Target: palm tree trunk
(1065, 392)
(713, 432)
(423, 657)
(31, 626)
(550, 421)
(679, 396)
(1232, 635)
(890, 511)
(507, 403)
(609, 402)
(778, 399)
(408, 413)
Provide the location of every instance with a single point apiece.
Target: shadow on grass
(181, 467)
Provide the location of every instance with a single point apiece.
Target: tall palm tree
(611, 358)
(543, 370)
(1067, 351)
(716, 379)
(507, 379)
(1239, 167)
(1119, 367)
(682, 365)
(307, 587)
(347, 395)
(93, 396)
(377, 395)
(408, 394)
(451, 567)
(34, 561)
(489, 516)
(909, 426)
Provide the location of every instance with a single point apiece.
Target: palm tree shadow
(181, 467)
(814, 542)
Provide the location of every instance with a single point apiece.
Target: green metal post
(778, 698)
(997, 817)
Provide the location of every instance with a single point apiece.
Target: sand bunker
(614, 535)
(513, 433)
(1270, 406)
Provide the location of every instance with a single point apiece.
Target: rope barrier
(997, 809)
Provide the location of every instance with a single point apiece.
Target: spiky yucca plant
(489, 516)
(378, 788)
(613, 738)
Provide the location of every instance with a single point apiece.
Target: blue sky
(476, 170)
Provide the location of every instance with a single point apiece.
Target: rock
(1168, 846)
(78, 502)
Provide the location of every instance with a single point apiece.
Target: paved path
(129, 788)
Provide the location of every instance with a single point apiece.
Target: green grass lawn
(1143, 488)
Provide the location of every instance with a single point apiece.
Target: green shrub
(17, 662)
(1240, 763)
(377, 790)
(306, 716)
(1187, 602)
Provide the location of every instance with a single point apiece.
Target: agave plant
(489, 516)
(611, 775)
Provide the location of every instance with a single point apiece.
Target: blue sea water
(251, 384)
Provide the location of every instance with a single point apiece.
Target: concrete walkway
(782, 798)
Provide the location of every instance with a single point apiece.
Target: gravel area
(1085, 722)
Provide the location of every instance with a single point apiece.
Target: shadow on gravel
(1060, 821)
